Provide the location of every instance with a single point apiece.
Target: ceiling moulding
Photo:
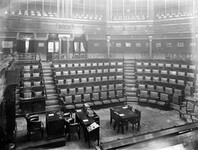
(8, 34)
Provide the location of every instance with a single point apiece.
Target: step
(52, 97)
(130, 77)
(129, 81)
(130, 85)
(47, 74)
(52, 108)
(49, 82)
(48, 78)
(131, 72)
(50, 91)
(130, 94)
(51, 102)
(50, 86)
(132, 98)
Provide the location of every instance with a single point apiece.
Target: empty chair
(178, 91)
(83, 80)
(56, 65)
(112, 97)
(76, 80)
(72, 91)
(78, 101)
(104, 98)
(168, 90)
(37, 83)
(159, 88)
(34, 124)
(27, 84)
(88, 89)
(36, 74)
(103, 87)
(111, 87)
(68, 102)
(143, 97)
(74, 128)
(120, 95)
(119, 86)
(96, 99)
(164, 100)
(153, 98)
(63, 65)
(96, 88)
(136, 121)
(87, 99)
(63, 92)
(80, 90)
(26, 67)
(38, 94)
(141, 86)
(150, 87)
(61, 82)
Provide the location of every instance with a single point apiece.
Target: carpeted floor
(152, 119)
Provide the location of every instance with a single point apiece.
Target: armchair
(34, 124)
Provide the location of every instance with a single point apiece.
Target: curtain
(20, 46)
(31, 46)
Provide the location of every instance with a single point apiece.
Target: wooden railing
(27, 56)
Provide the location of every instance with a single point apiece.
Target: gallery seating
(31, 90)
(98, 82)
(164, 77)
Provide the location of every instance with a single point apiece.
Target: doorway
(52, 50)
(25, 46)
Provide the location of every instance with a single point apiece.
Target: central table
(124, 114)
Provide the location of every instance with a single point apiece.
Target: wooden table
(86, 121)
(125, 115)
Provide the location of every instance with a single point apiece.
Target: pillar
(68, 45)
(108, 46)
(196, 54)
(150, 47)
(60, 48)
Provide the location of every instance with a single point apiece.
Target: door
(52, 50)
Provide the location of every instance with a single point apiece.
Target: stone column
(150, 47)
(68, 45)
(60, 48)
(108, 46)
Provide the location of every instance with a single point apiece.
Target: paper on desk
(78, 110)
(121, 114)
(51, 115)
(85, 120)
(125, 107)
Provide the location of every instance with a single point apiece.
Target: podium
(55, 126)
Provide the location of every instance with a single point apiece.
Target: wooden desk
(86, 121)
(55, 125)
(125, 115)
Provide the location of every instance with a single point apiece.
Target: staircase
(130, 80)
(52, 97)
